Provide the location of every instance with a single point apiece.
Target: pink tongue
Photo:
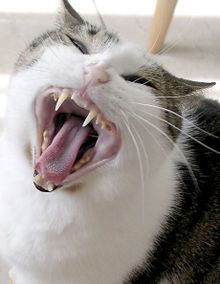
(57, 160)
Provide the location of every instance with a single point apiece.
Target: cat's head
(86, 107)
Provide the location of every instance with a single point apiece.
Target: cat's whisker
(155, 42)
(138, 155)
(159, 145)
(144, 150)
(194, 94)
(174, 145)
(147, 82)
(151, 134)
(177, 97)
(178, 115)
(183, 132)
(177, 40)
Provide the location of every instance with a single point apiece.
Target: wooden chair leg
(160, 24)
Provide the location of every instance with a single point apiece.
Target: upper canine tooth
(90, 117)
(64, 95)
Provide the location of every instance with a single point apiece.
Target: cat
(109, 165)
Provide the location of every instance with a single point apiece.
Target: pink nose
(96, 74)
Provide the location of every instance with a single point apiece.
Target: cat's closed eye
(139, 80)
(78, 44)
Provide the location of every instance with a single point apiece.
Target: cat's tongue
(57, 160)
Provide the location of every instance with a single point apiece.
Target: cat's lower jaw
(85, 237)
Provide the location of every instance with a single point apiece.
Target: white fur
(100, 233)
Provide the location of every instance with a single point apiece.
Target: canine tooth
(37, 179)
(89, 117)
(64, 95)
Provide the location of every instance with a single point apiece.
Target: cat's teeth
(55, 96)
(98, 119)
(45, 140)
(64, 95)
(37, 179)
(79, 101)
(81, 162)
(104, 125)
(90, 117)
(50, 187)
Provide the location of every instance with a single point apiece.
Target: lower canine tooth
(64, 95)
(37, 179)
(90, 117)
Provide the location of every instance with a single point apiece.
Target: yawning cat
(109, 165)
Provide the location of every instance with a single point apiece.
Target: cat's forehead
(92, 38)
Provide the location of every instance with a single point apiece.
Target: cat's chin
(73, 137)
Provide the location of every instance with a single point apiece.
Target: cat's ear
(189, 86)
(179, 87)
(69, 16)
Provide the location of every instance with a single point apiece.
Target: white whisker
(174, 145)
(139, 158)
(180, 116)
(183, 132)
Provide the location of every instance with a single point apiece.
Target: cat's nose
(96, 73)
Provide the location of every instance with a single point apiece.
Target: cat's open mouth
(74, 137)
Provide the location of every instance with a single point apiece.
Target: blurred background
(191, 48)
